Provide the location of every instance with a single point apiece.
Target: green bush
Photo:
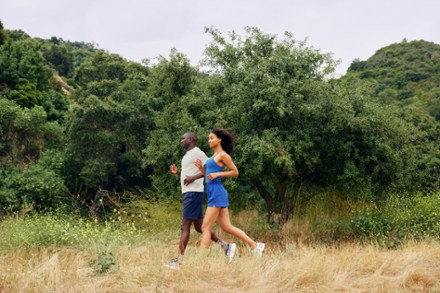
(370, 224)
(400, 218)
(35, 186)
(123, 225)
(105, 262)
(148, 212)
(334, 217)
(58, 229)
(417, 217)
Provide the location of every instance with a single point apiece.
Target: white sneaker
(172, 264)
(231, 251)
(259, 249)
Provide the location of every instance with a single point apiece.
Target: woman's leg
(225, 224)
(198, 227)
(211, 216)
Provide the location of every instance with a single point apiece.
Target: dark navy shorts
(217, 195)
(193, 205)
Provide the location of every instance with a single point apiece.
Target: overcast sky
(139, 29)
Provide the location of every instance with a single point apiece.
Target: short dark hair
(228, 139)
(192, 135)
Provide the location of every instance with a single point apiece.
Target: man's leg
(198, 226)
(184, 237)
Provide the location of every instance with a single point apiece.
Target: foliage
(294, 126)
(407, 74)
(107, 128)
(25, 133)
(400, 218)
(2, 34)
(57, 230)
(35, 186)
(60, 58)
(99, 67)
(125, 224)
(107, 124)
(104, 263)
(24, 76)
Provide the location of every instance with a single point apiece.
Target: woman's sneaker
(259, 249)
(231, 251)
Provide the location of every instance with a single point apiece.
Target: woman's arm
(226, 159)
(199, 165)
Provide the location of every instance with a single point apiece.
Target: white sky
(139, 29)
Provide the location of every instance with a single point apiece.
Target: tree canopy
(75, 119)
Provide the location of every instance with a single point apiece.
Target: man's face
(185, 141)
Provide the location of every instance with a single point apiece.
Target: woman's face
(213, 140)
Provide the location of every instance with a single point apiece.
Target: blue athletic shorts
(193, 205)
(217, 195)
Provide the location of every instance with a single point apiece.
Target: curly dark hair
(228, 139)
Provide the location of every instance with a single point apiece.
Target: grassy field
(347, 268)
(66, 253)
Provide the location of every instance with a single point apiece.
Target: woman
(223, 143)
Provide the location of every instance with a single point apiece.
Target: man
(191, 180)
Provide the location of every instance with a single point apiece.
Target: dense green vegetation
(80, 127)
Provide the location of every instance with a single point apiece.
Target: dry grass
(347, 268)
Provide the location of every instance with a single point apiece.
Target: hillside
(404, 73)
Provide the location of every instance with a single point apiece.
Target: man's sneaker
(259, 249)
(224, 246)
(231, 251)
(172, 264)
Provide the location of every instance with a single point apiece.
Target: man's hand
(174, 169)
(188, 180)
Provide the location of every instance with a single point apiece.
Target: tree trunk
(270, 201)
(95, 210)
(283, 202)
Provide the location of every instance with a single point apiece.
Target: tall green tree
(25, 133)
(294, 126)
(25, 76)
(171, 84)
(60, 58)
(108, 126)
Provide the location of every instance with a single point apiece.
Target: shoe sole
(231, 255)
(167, 265)
(260, 252)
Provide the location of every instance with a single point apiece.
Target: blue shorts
(193, 205)
(217, 195)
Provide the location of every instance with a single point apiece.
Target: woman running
(222, 142)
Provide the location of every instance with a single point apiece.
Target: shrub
(34, 186)
(400, 218)
(105, 262)
(58, 229)
(416, 217)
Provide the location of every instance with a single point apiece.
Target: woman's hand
(199, 164)
(212, 176)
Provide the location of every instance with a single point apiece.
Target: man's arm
(191, 179)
